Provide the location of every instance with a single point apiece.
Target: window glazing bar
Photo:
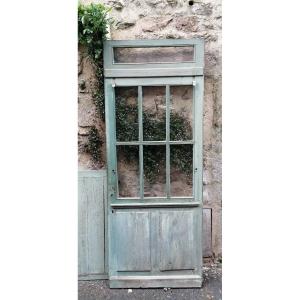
(141, 158)
(191, 142)
(168, 140)
(191, 198)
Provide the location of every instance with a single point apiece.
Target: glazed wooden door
(154, 157)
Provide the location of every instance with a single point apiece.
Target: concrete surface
(211, 290)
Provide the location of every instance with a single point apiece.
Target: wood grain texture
(91, 219)
(82, 229)
(132, 238)
(187, 281)
(154, 81)
(83, 257)
(176, 239)
(189, 71)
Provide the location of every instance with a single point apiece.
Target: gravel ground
(211, 290)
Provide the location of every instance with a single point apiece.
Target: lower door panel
(176, 240)
(132, 234)
(155, 247)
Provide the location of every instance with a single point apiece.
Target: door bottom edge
(188, 281)
(98, 276)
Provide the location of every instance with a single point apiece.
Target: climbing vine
(94, 144)
(93, 22)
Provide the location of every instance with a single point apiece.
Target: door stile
(198, 160)
(168, 141)
(111, 163)
(198, 128)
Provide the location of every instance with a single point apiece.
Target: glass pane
(154, 113)
(181, 113)
(126, 114)
(154, 171)
(154, 54)
(181, 173)
(128, 171)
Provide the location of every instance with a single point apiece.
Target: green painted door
(154, 156)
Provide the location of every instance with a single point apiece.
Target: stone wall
(172, 19)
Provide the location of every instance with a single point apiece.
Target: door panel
(132, 240)
(154, 181)
(176, 240)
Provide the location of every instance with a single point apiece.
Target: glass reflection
(181, 173)
(154, 113)
(126, 114)
(154, 171)
(181, 113)
(128, 171)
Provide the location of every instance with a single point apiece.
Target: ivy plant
(94, 144)
(93, 22)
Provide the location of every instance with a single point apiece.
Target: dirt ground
(211, 290)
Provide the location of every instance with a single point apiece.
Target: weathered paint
(87, 180)
(91, 224)
(132, 238)
(149, 237)
(112, 69)
(177, 240)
